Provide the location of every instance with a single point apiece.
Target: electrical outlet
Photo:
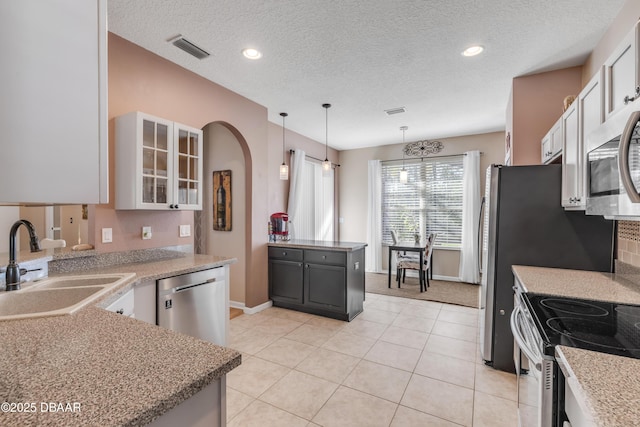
(107, 235)
(146, 233)
(185, 230)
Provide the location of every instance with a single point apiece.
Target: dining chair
(400, 257)
(414, 264)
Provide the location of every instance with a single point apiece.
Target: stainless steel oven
(537, 382)
(613, 166)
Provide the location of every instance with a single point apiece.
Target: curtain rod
(314, 158)
(426, 157)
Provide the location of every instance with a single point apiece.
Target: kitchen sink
(57, 296)
(16, 304)
(77, 281)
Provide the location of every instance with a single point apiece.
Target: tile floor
(401, 362)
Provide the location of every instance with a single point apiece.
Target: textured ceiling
(367, 56)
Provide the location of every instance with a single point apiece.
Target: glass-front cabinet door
(156, 173)
(188, 160)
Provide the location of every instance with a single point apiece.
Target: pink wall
(142, 81)
(536, 106)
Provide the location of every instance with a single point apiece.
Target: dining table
(418, 247)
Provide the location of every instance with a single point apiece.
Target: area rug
(439, 290)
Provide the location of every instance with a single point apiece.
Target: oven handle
(521, 341)
(623, 157)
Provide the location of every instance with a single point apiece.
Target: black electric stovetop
(592, 325)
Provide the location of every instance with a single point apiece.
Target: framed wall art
(222, 200)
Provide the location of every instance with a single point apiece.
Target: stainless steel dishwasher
(195, 304)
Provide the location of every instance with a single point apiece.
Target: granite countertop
(607, 386)
(578, 284)
(318, 244)
(120, 370)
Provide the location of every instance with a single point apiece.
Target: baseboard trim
(447, 278)
(250, 310)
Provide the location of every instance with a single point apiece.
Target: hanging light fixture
(284, 169)
(326, 165)
(403, 172)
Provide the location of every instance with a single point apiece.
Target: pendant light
(326, 165)
(403, 172)
(284, 169)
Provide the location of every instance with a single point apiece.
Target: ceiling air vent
(189, 47)
(393, 111)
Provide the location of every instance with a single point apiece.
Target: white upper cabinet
(551, 145)
(581, 118)
(622, 74)
(53, 107)
(571, 158)
(158, 164)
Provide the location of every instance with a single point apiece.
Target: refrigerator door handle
(480, 234)
(623, 157)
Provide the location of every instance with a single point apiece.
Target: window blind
(430, 201)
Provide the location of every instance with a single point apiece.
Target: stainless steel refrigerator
(525, 224)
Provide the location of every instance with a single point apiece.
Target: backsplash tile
(117, 258)
(629, 242)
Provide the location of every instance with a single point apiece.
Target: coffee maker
(279, 227)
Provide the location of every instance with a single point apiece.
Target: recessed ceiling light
(251, 53)
(473, 50)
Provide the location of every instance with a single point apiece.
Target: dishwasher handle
(193, 285)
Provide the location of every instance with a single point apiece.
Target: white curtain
(373, 252)
(311, 201)
(324, 204)
(296, 190)
(469, 268)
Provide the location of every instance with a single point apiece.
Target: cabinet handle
(177, 207)
(121, 311)
(571, 200)
(324, 257)
(628, 99)
(284, 254)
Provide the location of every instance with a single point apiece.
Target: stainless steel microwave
(613, 166)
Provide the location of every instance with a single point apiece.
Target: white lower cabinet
(144, 295)
(124, 305)
(207, 408)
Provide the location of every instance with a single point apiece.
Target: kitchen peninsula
(319, 277)
(115, 370)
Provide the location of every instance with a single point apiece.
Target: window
(430, 201)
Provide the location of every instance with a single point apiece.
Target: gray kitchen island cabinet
(318, 277)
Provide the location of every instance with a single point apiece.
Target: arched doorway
(224, 148)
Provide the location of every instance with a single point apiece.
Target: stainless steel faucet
(13, 272)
